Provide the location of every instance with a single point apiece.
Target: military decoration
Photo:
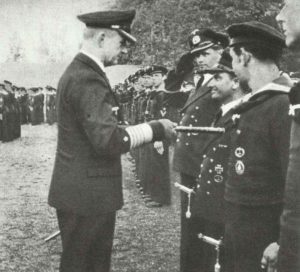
(218, 178)
(239, 152)
(239, 168)
(163, 112)
(219, 169)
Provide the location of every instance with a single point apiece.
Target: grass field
(145, 239)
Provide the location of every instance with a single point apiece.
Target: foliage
(162, 26)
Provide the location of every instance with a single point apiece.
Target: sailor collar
(280, 84)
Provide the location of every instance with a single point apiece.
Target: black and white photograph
(150, 135)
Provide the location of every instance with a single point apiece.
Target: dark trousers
(196, 255)
(86, 241)
(159, 175)
(248, 231)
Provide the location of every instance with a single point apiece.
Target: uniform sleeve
(281, 126)
(92, 104)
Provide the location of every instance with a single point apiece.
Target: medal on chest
(239, 167)
(239, 152)
(219, 170)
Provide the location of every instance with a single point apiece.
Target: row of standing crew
(145, 96)
(19, 106)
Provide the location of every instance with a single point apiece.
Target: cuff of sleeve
(158, 130)
(140, 134)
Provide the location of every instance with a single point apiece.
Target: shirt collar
(207, 77)
(95, 59)
(227, 107)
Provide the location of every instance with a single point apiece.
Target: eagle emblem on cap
(196, 39)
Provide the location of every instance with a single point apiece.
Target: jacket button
(208, 193)
(199, 176)
(238, 132)
(204, 156)
(208, 182)
(210, 171)
(197, 108)
(177, 140)
(198, 186)
(201, 165)
(211, 160)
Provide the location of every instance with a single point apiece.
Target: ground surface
(145, 239)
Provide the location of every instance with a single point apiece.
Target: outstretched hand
(169, 128)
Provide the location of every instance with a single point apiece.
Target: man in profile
(207, 205)
(86, 186)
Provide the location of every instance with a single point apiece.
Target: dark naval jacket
(208, 201)
(260, 146)
(87, 171)
(288, 259)
(199, 110)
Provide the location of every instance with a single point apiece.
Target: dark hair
(261, 52)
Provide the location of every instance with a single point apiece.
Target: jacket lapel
(202, 91)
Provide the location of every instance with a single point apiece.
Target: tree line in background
(162, 26)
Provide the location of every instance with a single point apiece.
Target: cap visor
(127, 36)
(217, 70)
(201, 48)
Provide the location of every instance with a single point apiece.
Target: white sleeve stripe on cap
(139, 134)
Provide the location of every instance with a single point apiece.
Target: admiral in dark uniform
(199, 110)
(259, 154)
(86, 185)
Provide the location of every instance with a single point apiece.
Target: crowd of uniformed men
(19, 105)
(237, 177)
(145, 96)
(236, 151)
